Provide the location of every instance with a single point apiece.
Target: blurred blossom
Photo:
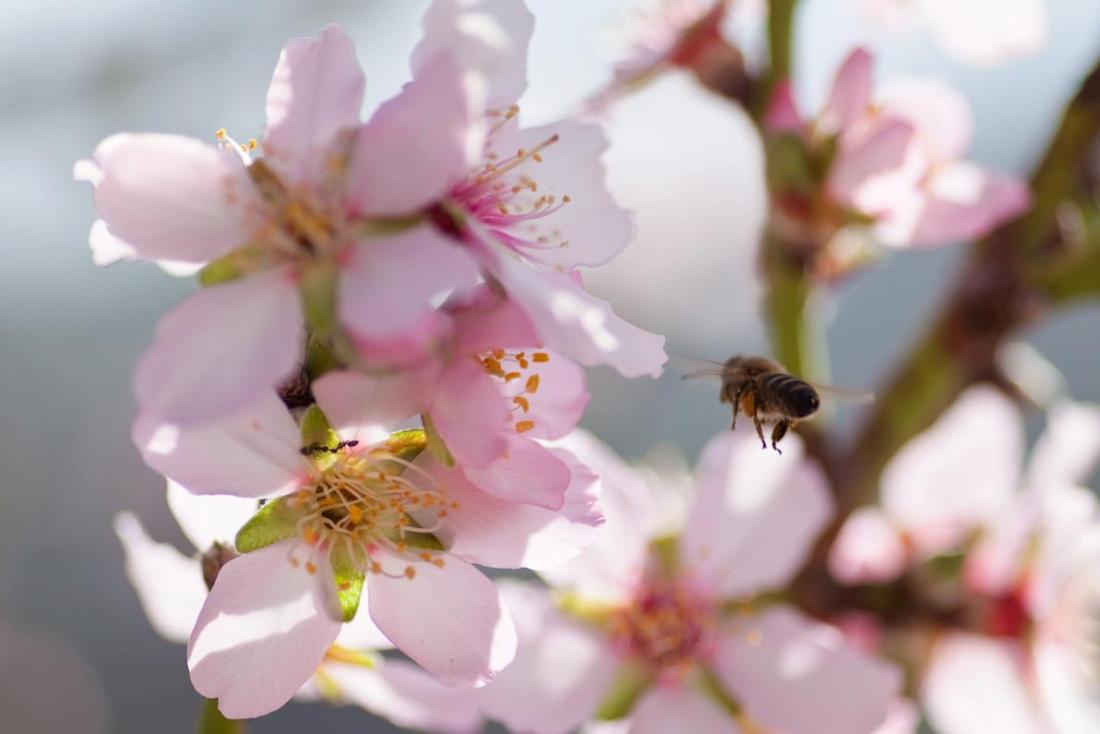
(172, 590)
(894, 161)
(667, 631)
(1029, 584)
(980, 32)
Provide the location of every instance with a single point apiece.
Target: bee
(765, 392)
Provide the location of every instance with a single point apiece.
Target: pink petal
(756, 514)
(593, 224)
(414, 147)
(964, 202)
(315, 92)
(391, 286)
(106, 248)
(367, 407)
(794, 675)
(406, 696)
(1069, 448)
(612, 564)
(169, 197)
(872, 171)
(450, 620)
(938, 112)
(559, 400)
(996, 560)
(868, 550)
(975, 685)
(253, 453)
(210, 519)
(902, 718)
(168, 583)
(471, 415)
(579, 325)
(221, 349)
(485, 320)
(561, 672)
(987, 32)
(957, 474)
(676, 707)
(527, 473)
(488, 38)
(783, 115)
(850, 97)
(495, 532)
(261, 633)
(1067, 687)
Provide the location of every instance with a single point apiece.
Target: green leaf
(317, 432)
(348, 574)
(435, 442)
(234, 265)
(277, 520)
(405, 445)
(630, 682)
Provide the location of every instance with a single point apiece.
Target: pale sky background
(74, 644)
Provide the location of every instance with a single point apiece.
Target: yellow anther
(512, 376)
(356, 514)
(522, 402)
(524, 426)
(540, 357)
(311, 568)
(498, 354)
(220, 133)
(410, 573)
(565, 199)
(532, 385)
(437, 562)
(375, 567)
(425, 556)
(252, 143)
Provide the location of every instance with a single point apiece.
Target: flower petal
(487, 37)
(168, 583)
(261, 633)
(868, 550)
(557, 399)
(1067, 686)
(987, 32)
(406, 696)
(792, 674)
(169, 197)
(362, 633)
(594, 226)
(875, 170)
(367, 408)
(1068, 449)
(957, 474)
(975, 685)
(527, 473)
(414, 147)
(561, 672)
(579, 325)
(495, 532)
(221, 349)
(208, 519)
(756, 514)
(390, 286)
(850, 97)
(937, 111)
(450, 620)
(315, 92)
(254, 453)
(675, 707)
(964, 202)
(471, 415)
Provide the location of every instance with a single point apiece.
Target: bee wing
(691, 368)
(843, 395)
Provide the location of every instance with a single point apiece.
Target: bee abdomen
(797, 396)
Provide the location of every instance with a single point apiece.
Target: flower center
(503, 195)
(666, 626)
(361, 504)
(521, 380)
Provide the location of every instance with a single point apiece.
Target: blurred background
(76, 653)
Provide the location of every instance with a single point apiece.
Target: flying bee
(765, 392)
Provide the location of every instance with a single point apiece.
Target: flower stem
(781, 38)
(211, 720)
(1012, 277)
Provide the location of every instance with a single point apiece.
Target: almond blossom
(1026, 658)
(980, 32)
(172, 588)
(353, 514)
(894, 161)
(664, 631)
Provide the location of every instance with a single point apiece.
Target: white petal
(673, 707)
(1069, 448)
(209, 519)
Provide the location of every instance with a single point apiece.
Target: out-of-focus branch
(211, 721)
(1012, 276)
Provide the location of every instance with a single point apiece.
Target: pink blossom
(172, 591)
(493, 393)
(531, 204)
(346, 514)
(898, 159)
(645, 630)
(281, 229)
(980, 32)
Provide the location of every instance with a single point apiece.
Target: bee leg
(778, 433)
(737, 406)
(760, 431)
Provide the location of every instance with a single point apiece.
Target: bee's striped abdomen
(798, 398)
